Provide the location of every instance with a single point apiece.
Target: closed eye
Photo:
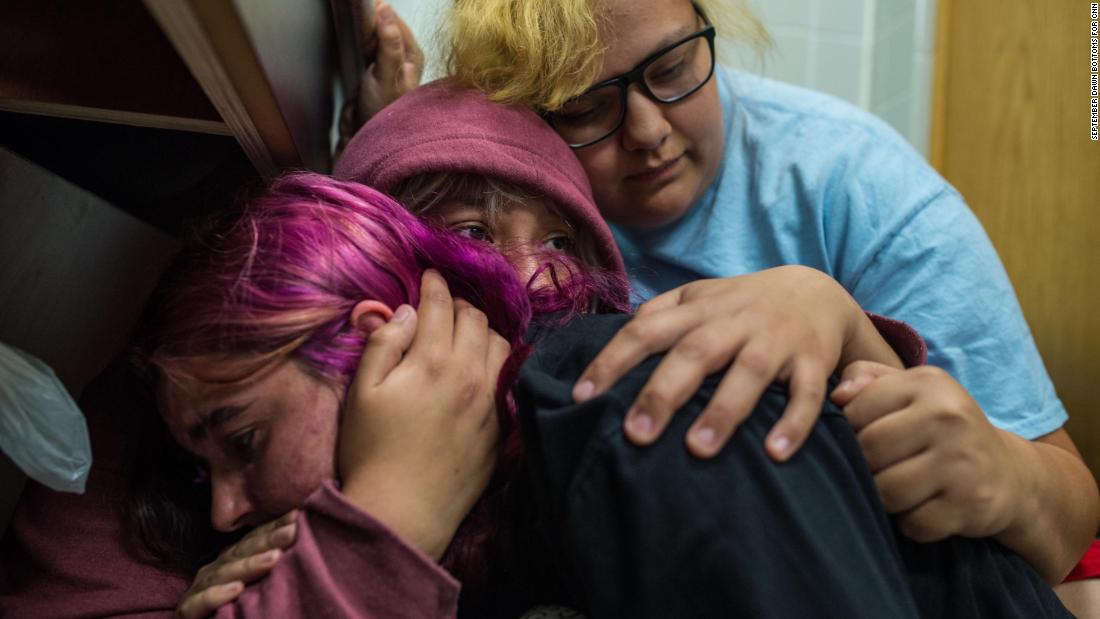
(668, 74)
(243, 444)
(580, 116)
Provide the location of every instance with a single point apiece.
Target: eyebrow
(215, 418)
(676, 35)
(669, 38)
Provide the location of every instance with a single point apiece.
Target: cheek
(297, 462)
(700, 123)
(602, 163)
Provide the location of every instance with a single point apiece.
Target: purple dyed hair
(281, 280)
(280, 283)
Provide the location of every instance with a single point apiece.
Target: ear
(369, 315)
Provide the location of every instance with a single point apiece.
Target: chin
(646, 219)
(654, 211)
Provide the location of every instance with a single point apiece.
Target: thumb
(855, 377)
(385, 347)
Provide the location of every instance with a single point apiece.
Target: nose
(526, 262)
(230, 506)
(645, 126)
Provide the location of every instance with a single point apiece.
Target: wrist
(1022, 492)
(393, 503)
(1053, 521)
(853, 320)
(867, 344)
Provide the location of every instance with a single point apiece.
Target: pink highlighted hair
(281, 280)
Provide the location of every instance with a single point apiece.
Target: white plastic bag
(41, 429)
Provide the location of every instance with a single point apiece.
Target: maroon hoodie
(68, 555)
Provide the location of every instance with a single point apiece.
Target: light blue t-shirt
(809, 179)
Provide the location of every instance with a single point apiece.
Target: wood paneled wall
(1011, 132)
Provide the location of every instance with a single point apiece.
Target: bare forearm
(1059, 508)
(1081, 597)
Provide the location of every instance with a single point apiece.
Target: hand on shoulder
(791, 324)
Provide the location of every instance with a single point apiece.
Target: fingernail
(861, 381)
(780, 445)
(269, 557)
(291, 515)
(845, 385)
(640, 424)
(385, 13)
(233, 587)
(286, 532)
(583, 390)
(403, 313)
(704, 436)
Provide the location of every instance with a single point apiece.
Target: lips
(661, 172)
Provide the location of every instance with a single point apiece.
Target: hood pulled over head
(442, 128)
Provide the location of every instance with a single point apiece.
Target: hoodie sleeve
(68, 555)
(345, 563)
(904, 339)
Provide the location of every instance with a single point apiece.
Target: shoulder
(771, 104)
(561, 352)
(564, 349)
(847, 175)
(831, 143)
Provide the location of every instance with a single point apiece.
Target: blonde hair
(541, 53)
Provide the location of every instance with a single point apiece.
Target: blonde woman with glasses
(729, 194)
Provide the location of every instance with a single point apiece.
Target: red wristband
(1089, 565)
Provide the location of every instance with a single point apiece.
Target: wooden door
(1011, 130)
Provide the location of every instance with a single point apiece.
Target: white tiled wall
(874, 53)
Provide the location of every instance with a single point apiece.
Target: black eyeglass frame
(637, 76)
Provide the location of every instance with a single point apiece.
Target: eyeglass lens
(668, 77)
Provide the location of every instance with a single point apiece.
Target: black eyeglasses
(666, 76)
